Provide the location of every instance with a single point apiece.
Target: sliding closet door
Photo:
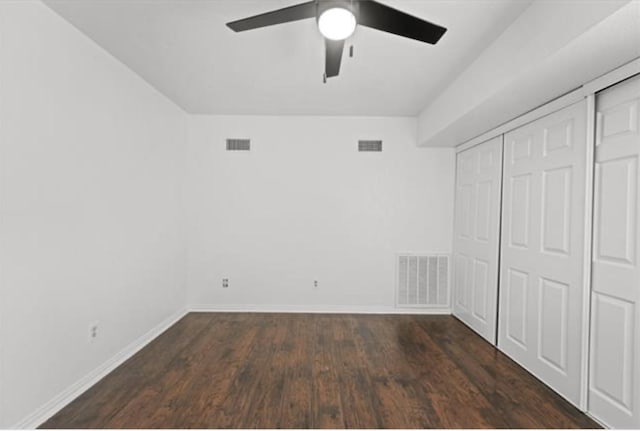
(614, 384)
(542, 256)
(476, 237)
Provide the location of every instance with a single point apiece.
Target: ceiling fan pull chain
(324, 78)
(351, 51)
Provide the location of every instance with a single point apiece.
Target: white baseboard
(321, 309)
(56, 404)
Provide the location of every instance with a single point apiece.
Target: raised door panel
(556, 210)
(520, 211)
(612, 371)
(616, 210)
(543, 289)
(460, 302)
(476, 237)
(516, 289)
(464, 216)
(480, 286)
(552, 324)
(614, 377)
(483, 210)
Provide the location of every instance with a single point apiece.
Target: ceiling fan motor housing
(350, 5)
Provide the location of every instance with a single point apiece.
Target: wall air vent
(422, 281)
(370, 146)
(238, 144)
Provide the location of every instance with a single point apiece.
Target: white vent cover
(370, 146)
(238, 145)
(422, 281)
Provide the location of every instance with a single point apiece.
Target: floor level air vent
(238, 144)
(370, 146)
(422, 281)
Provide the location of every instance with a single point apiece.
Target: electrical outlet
(315, 284)
(225, 283)
(93, 331)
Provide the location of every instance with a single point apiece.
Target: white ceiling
(184, 49)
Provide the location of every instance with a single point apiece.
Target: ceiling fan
(337, 20)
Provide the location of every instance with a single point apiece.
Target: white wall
(525, 67)
(91, 159)
(304, 205)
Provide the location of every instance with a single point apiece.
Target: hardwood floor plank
(295, 407)
(326, 399)
(235, 370)
(230, 400)
(358, 404)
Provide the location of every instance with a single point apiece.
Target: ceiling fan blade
(381, 17)
(333, 57)
(280, 16)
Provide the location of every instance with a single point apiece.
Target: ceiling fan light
(337, 23)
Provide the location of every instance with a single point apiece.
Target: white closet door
(614, 383)
(476, 237)
(542, 257)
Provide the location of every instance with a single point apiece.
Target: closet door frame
(547, 109)
(586, 92)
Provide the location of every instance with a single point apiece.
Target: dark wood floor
(319, 371)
